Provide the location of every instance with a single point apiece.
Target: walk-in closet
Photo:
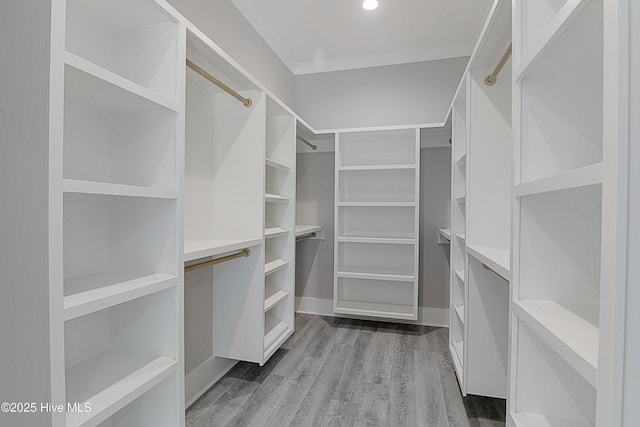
(339, 213)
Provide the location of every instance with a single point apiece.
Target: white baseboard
(428, 316)
(203, 377)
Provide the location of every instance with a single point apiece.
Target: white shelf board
(112, 380)
(276, 165)
(461, 199)
(460, 275)
(553, 32)
(497, 259)
(445, 232)
(273, 295)
(275, 198)
(274, 329)
(457, 359)
(93, 292)
(458, 346)
(376, 274)
(568, 334)
(393, 311)
(107, 77)
(274, 265)
(384, 240)
(461, 236)
(301, 229)
(459, 309)
(580, 177)
(275, 232)
(377, 167)
(108, 189)
(376, 204)
(461, 161)
(196, 249)
(524, 419)
(275, 345)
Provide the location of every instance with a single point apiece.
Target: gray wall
(222, 22)
(382, 96)
(315, 204)
(24, 312)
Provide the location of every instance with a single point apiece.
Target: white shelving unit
(555, 337)
(116, 280)
(376, 216)
(458, 290)
(280, 236)
(481, 214)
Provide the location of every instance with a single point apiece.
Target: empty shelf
(301, 230)
(377, 204)
(275, 232)
(460, 312)
(93, 292)
(462, 160)
(498, 260)
(275, 198)
(274, 265)
(460, 275)
(580, 177)
(461, 199)
(277, 165)
(375, 309)
(458, 357)
(196, 249)
(274, 329)
(461, 236)
(377, 167)
(376, 274)
(445, 232)
(111, 380)
(272, 296)
(387, 240)
(109, 189)
(574, 337)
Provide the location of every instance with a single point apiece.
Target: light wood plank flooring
(343, 372)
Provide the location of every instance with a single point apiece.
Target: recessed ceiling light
(370, 4)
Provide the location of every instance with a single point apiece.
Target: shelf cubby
(550, 392)
(155, 408)
(114, 136)
(117, 354)
(378, 298)
(116, 246)
(376, 259)
(571, 41)
(137, 40)
(376, 222)
(559, 252)
(378, 148)
(378, 185)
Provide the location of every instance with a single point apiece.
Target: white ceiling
(327, 35)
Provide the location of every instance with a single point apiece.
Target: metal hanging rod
(244, 253)
(306, 236)
(313, 146)
(246, 101)
(491, 79)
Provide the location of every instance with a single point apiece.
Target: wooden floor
(342, 372)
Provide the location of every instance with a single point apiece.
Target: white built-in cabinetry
(558, 111)
(115, 213)
(280, 239)
(376, 217)
(481, 214)
(239, 195)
